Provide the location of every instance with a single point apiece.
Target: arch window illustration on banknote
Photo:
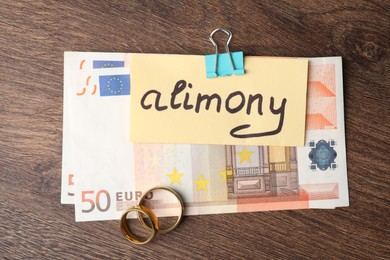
(322, 155)
(261, 171)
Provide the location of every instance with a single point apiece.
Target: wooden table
(33, 37)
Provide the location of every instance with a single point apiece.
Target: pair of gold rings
(151, 217)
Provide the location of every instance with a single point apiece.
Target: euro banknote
(81, 79)
(103, 173)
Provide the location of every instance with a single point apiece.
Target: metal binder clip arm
(226, 63)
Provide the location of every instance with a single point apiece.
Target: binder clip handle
(220, 68)
(230, 35)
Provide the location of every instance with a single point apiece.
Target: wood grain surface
(33, 38)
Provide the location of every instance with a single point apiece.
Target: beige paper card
(172, 101)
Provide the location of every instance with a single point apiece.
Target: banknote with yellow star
(103, 173)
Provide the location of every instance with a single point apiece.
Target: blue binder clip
(224, 64)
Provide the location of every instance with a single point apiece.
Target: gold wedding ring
(153, 228)
(162, 231)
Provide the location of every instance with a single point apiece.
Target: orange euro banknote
(107, 174)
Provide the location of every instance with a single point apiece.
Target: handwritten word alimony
(235, 102)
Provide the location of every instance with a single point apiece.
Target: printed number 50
(92, 203)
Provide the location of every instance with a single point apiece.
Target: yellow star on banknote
(245, 155)
(201, 184)
(175, 176)
(224, 173)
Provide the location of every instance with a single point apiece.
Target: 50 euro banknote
(110, 173)
(83, 73)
